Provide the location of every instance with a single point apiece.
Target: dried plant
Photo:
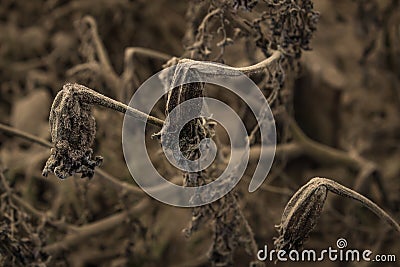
(293, 24)
(300, 215)
(73, 130)
(304, 208)
(272, 32)
(288, 22)
(21, 239)
(225, 214)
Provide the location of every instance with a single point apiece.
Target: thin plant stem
(261, 65)
(93, 97)
(246, 70)
(92, 229)
(326, 154)
(320, 151)
(27, 136)
(102, 54)
(347, 192)
(131, 51)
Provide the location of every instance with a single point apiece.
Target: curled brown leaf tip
(301, 215)
(73, 130)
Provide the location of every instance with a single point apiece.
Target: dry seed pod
(193, 132)
(301, 215)
(304, 208)
(73, 131)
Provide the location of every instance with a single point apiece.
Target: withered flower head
(293, 24)
(301, 215)
(73, 130)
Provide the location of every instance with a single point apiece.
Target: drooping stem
(24, 135)
(246, 70)
(341, 190)
(347, 192)
(92, 97)
(261, 65)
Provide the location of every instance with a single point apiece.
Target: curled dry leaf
(73, 130)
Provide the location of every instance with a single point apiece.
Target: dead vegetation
(336, 109)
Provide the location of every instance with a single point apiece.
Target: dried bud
(301, 215)
(73, 131)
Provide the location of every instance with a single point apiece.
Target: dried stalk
(329, 155)
(92, 229)
(320, 151)
(90, 96)
(346, 192)
(24, 135)
(130, 52)
(276, 55)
